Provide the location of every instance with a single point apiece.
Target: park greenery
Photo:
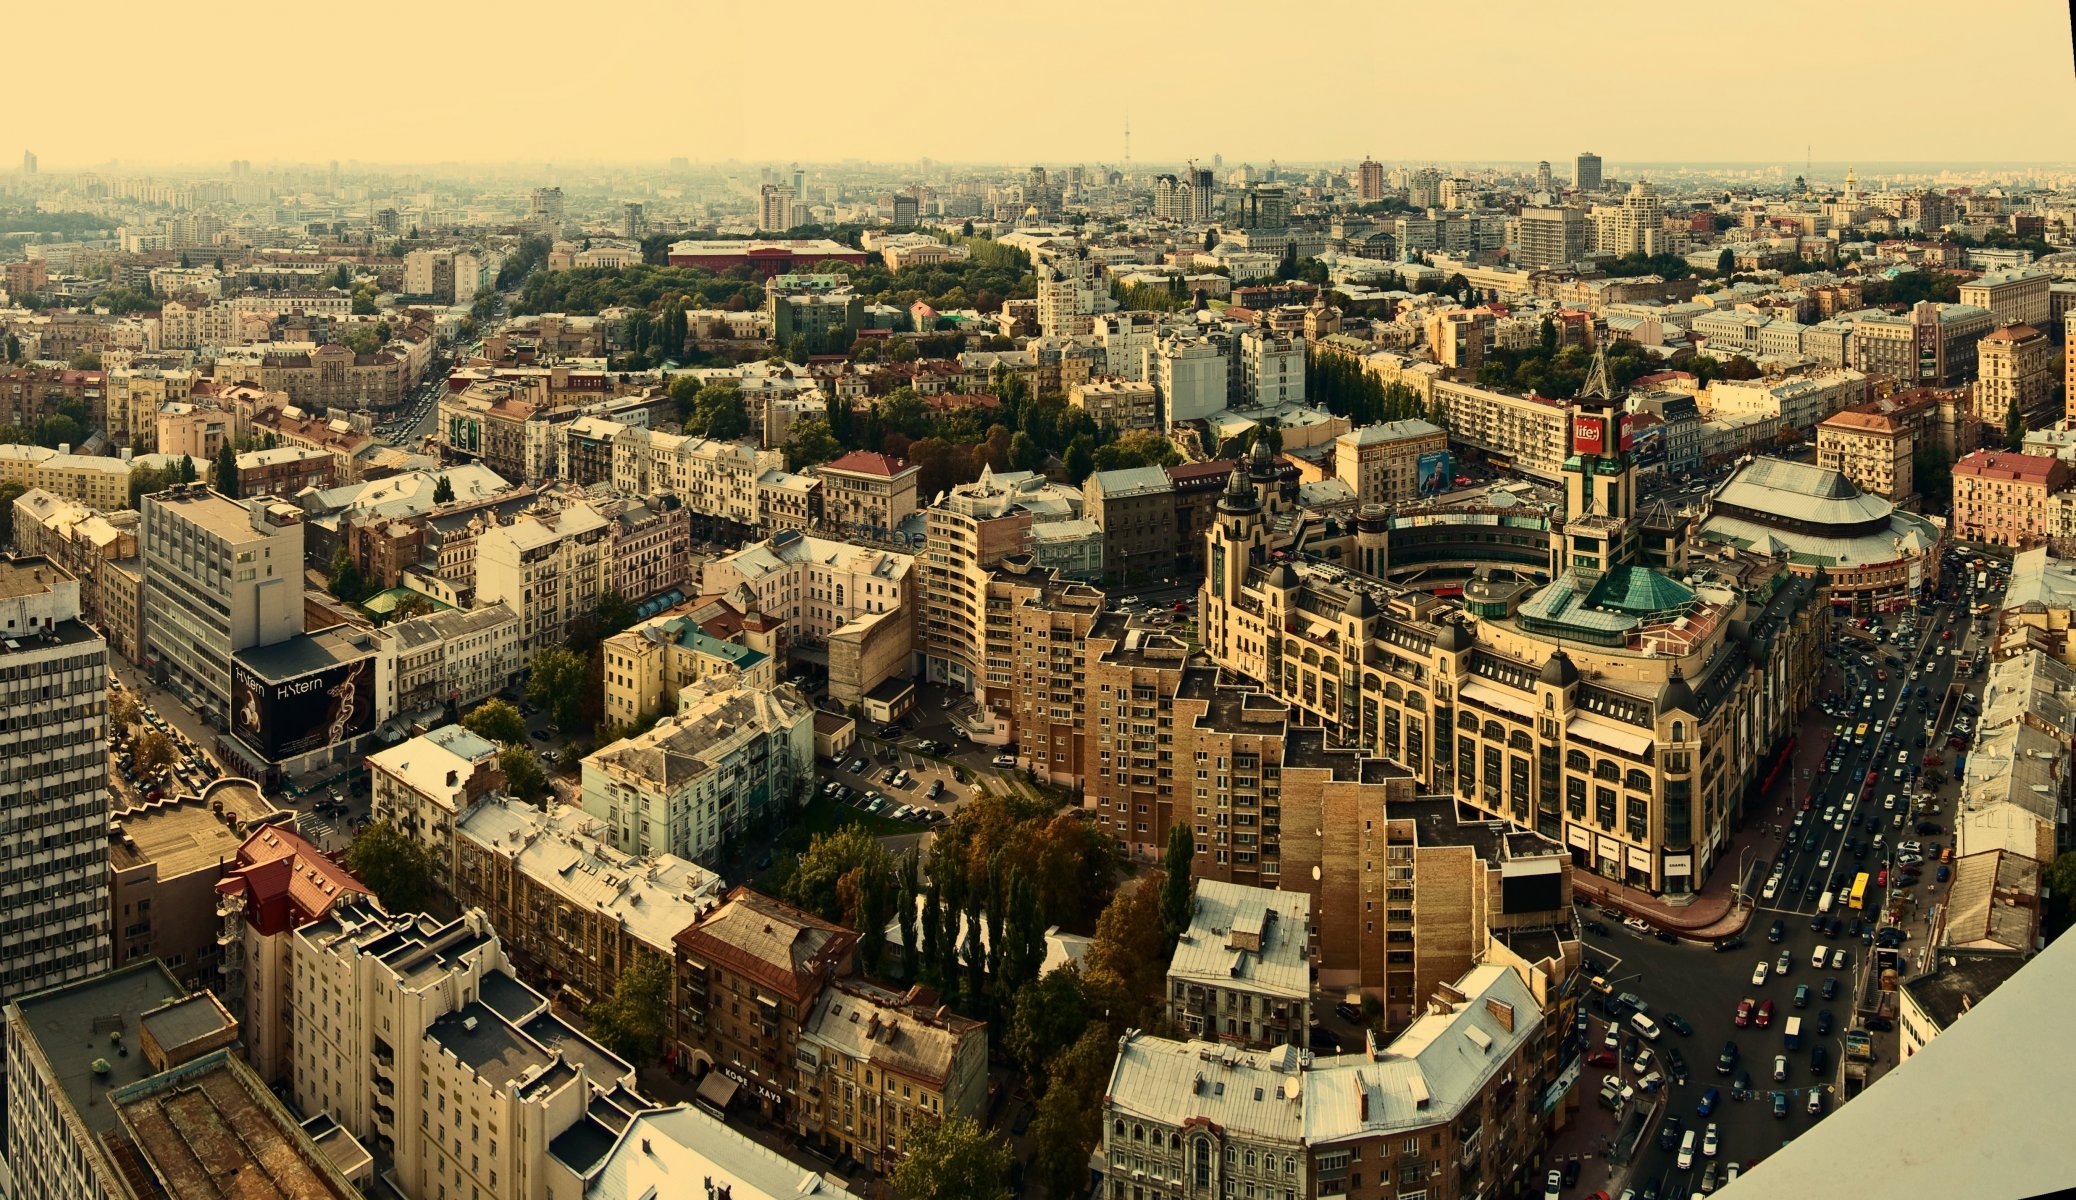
(632, 1022)
(393, 865)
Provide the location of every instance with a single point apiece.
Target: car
(936, 789)
(1597, 928)
(1669, 1132)
(1879, 1024)
(1759, 973)
(1642, 1061)
(1729, 943)
(1780, 1104)
(1786, 960)
(1780, 1067)
(1667, 936)
(1823, 1022)
(1763, 1017)
(1650, 1082)
(1602, 1057)
(1677, 1023)
(1675, 1064)
(539, 735)
(1686, 1155)
(1819, 1061)
(1744, 1013)
(1003, 760)
(1741, 1083)
(857, 766)
(1709, 1100)
(1553, 1185)
(1838, 956)
(1727, 1060)
(1776, 931)
(1709, 1143)
(1636, 923)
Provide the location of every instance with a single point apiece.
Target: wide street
(1822, 848)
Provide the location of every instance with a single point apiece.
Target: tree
(498, 721)
(2060, 880)
(85, 360)
(1288, 268)
(1129, 954)
(633, 1022)
(818, 882)
(225, 477)
(1070, 1117)
(557, 684)
(14, 348)
(443, 491)
(2014, 427)
(1726, 263)
(123, 710)
(524, 779)
(1176, 903)
(154, 753)
(393, 865)
(809, 442)
(188, 474)
(956, 1160)
(345, 582)
(1080, 459)
(144, 481)
(1048, 1016)
(907, 874)
(10, 491)
(1548, 336)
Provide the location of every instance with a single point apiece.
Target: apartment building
(1242, 972)
(99, 482)
(1548, 237)
(273, 884)
(2016, 296)
(866, 492)
(1193, 1117)
(1873, 450)
(456, 655)
(422, 786)
(75, 537)
(1135, 509)
(418, 1038)
(750, 973)
(285, 471)
(716, 480)
(874, 1066)
(193, 430)
(2002, 498)
(856, 604)
(1117, 404)
(173, 1114)
(337, 379)
(1521, 433)
(1381, 463)
(648, 546)
(574, 914)
(1035, 627)
(1634, 226)
(646, 667)
(1932, 345)
(550, 565)
(2015, 366)
(690, 785)
(164, 860)
(220, 576)
(134, 398)
(53, 695)
(1272, 367)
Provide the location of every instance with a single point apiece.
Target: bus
(1859, 896)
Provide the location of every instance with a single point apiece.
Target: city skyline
(1533, 87)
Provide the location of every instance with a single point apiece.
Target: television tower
(1128, 141)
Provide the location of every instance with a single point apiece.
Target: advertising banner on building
(1648, 445)
(1437, 474)
(1588, 435)
(284, 718)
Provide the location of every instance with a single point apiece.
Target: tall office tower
(1201, 181)
(632, 223)
(1371, 185)
(1586, 174)
(28, 162)
(1426, 190)
(1549, 237)
(544, 209)
(1542, 176)
(53, 696)
(799, 183)
(907, 209)
(1035, 180)
(220, 576)
(774, 208)
(331, 178)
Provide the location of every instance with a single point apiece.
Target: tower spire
(1596, 385)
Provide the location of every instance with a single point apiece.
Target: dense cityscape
(1381, 677)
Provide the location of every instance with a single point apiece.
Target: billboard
(1437, 474)
(286, 717)
(1628, 437)
(1649, 445)
(1588, 434)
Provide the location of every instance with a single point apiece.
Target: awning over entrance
(717, 1090)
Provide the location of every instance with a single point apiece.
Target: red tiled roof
(2004, 465)
(286, 881)
(1219, 468)
(868, 462)
(768, 942)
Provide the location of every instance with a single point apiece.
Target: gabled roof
(768, 942)
(867, 462)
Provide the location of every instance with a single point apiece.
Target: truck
(1794, 1033)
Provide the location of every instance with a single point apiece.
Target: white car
(1708, 1141)
(1759, 974)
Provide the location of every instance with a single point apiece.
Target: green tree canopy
(557, 683)
(524, 779)
(498, 721)
(443, 491)
(393, 865)
(224, 478)
(809, 441)
(633, 1023)
(956, 1160)
(346, 582)
(1048, 1016)
(829, 878)
(10, 491)
(1176, 901)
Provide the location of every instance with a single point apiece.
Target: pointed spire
(1596, 385)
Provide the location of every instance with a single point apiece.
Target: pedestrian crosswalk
(316, 831)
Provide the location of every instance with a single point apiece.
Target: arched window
(1493, 733)
(1679, 731)
(1467, 722)
(1138, 1133)
(1203, 1163)
(1637, 781)
(1577, 760)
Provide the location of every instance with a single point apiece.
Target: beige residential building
(550, 565)
(75, 537)
(194, 430)
(422, 787)
(457, 655)
(1117, 404)
(1520, 433)
(164, 860)
(96, 481)
(2015, 365)
(856, 604)
(866, 492)
(1871, 449)
(2002, 498)
(1381, 463)
(875, 1066)
(1242, 971)
(647, 666)
(2018, 296)
(134, 400)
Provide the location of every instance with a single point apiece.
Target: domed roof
(1362, 607)
(1677, 696)
(1740, 631)
(1260, 461)
(1239, 493)
(1559, 670)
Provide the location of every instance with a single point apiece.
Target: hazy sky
(639, 80)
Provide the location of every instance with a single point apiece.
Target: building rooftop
(911, 1035)
(423, 763)
(869, 462)
(1131, 481)
(210, 1128)
(297, 656)
(228, 520)
(2004, 466)
(715, 715)
(667, 1151)
(1388, 431)
(1249, 938)
(75, 1027)
(182, 834)
(284, 881)
(767, 941)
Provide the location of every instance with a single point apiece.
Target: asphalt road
(1704, 986)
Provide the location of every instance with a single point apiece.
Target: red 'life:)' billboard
(1588, 435)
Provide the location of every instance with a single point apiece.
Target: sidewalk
(1709, 914)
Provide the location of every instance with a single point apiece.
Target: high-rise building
(1635, 226)
(774, 208)
(1549, 237)
(1370, 176)
(1542, 176)
(220, 576)
(2015, 366)
(544, 209)
(1426, 189)
(28, 162)
(53, 681)
(799, 183)
(1586, 173)
(632, 223)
